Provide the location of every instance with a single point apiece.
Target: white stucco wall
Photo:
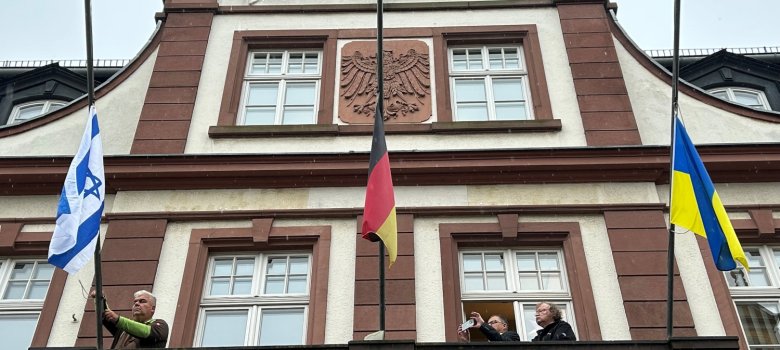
(651, 102)
(557, 71)
(428, 289)
(738, 193)
(12, 207)
(602, 193)
(704, 309)
(118, 115)
(170, 270)
(70, 312)
(353, 197)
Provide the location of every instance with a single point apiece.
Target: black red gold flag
(379, 222)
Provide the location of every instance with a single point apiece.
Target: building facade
(529, 145)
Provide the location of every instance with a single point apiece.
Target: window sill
(504, 126)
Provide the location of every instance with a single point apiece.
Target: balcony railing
(116, 63)
(707, 52)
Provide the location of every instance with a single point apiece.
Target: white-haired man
(142, 331)
(550, 317)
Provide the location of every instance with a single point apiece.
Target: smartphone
(468, 324)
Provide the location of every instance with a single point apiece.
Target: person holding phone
(495, 329)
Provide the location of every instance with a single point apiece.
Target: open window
(510, 283)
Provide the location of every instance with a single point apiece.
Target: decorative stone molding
(407, 82)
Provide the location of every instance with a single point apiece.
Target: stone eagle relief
(407, 82)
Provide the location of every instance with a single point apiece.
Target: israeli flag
(81, 203)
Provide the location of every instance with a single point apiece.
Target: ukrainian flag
(697, 207)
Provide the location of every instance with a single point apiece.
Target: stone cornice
(726, 163)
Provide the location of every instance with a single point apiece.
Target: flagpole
(99, 301)
(379, 123)
(670, 259)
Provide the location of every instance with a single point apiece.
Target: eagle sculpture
(406, 81)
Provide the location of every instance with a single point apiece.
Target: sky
(54, 29)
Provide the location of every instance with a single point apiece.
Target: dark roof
(103, 69)
(769, 55)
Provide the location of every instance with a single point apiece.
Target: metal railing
(707, 52)
(118, 63)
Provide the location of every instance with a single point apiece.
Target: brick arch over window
(262, 236)
(509, 232)
(17, 244)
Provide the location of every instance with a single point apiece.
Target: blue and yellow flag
(697, 207)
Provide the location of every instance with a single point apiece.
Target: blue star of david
(96, 183)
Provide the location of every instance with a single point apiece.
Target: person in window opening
(548, 316)
(495, 329)
(142, 331)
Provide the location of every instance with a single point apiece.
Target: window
(251, 300)
(489, 83)
(756, 296)
(744, 96)
(281, 88)
(26, 111)
(24, 286)
(511, 283)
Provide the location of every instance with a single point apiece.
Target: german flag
(379, 211)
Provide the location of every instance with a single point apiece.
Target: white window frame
(282, 79)
(514, 294)
(730, 90)
(489, 75)
(18, 307)
(257, 301)
(47, 107)
(758, 294)
(6, 268)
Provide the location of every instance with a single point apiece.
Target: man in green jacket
(142, 331)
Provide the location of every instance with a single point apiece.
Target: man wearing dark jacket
(495, 329)
(142, 331)
(548, 316)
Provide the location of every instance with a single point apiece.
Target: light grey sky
(704, 24)
(54, 29)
